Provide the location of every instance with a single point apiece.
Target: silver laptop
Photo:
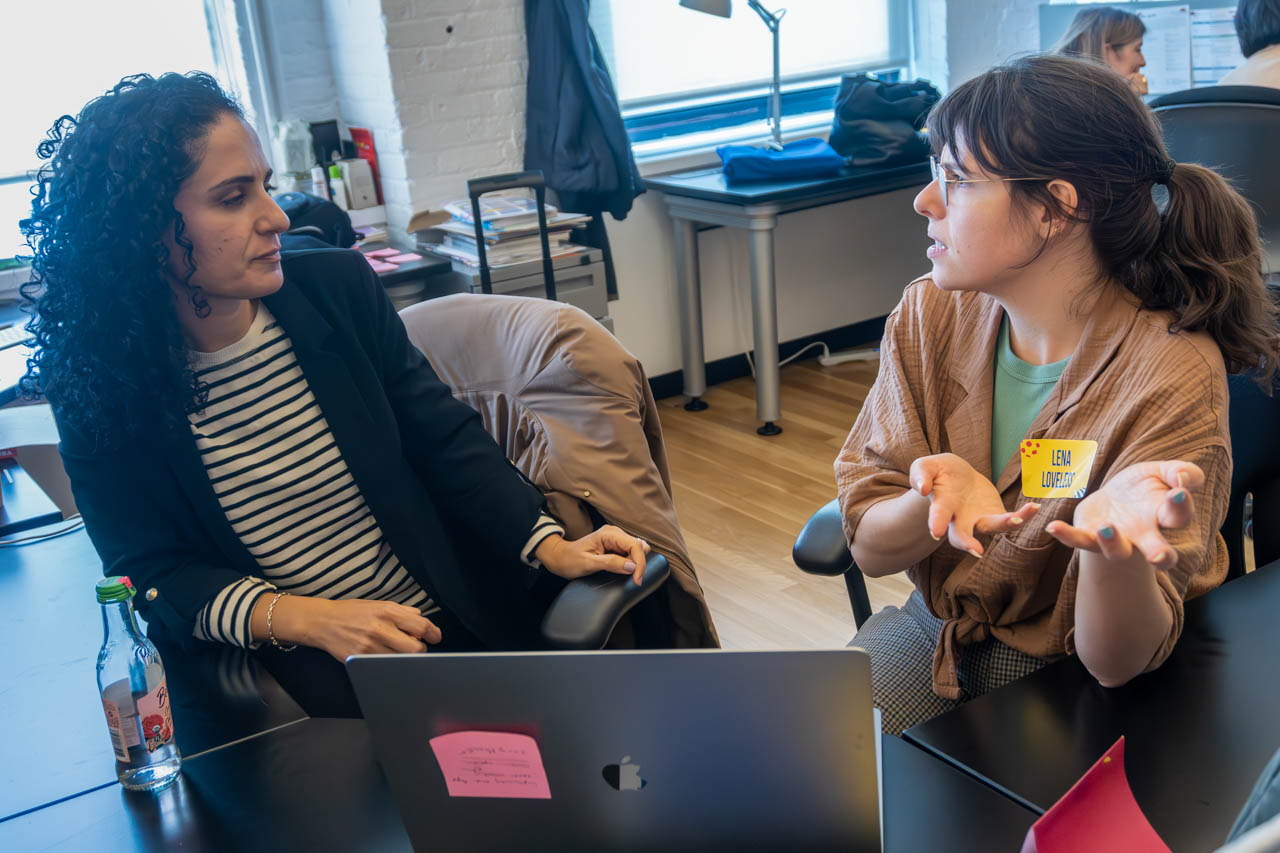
(627, 751)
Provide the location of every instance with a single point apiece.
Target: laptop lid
(634, 751)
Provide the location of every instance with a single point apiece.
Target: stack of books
(510, 225)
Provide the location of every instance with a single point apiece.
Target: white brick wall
(457, 71)
(440, 83)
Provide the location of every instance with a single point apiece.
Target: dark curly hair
(110, 354)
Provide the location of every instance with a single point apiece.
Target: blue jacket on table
(454, 510)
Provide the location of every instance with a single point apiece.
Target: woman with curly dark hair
(251, 437)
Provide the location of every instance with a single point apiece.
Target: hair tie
(1164, 172)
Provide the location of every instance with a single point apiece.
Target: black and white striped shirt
(281, 481)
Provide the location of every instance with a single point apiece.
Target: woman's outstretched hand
(1129, 512)
(962, 502)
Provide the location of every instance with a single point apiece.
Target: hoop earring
(198, 303)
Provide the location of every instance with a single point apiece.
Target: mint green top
(1020, 392)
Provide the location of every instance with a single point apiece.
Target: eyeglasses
(939, 175)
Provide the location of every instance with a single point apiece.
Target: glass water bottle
(134, 694)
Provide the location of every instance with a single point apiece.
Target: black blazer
(454, 510)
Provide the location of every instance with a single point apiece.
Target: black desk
(315, 786)
(55, 735)
(704, 196)
(1198, 731)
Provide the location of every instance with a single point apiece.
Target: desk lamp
(723, 9)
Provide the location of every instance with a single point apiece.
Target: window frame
(736, 108)
(224, 19)
(746, 104)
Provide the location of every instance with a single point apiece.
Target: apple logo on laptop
(624, 776)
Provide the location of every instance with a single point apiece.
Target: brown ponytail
(1206, 268)
(1199, 258)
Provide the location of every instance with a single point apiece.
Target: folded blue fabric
(804, 158)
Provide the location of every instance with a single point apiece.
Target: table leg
(689, 289)
(764, 315)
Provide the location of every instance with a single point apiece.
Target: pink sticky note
(382, 253)
(491, 764)
(1098, 814)
(379, 266)
(405, 258)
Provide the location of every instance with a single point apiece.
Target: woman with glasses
(1045, 450)
(1112, 37)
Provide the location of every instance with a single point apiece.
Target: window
(678, 71)
(77, 49)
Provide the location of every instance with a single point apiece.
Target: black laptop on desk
(627, 751)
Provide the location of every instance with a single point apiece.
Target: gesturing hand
(963, 502)
(608, 549)
(1129, 512)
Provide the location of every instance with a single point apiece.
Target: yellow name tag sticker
(1056, 468)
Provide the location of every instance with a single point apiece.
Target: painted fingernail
(1016, 519)
(629, 566)
(1180, 498)
(1107, 532)
(974, 552)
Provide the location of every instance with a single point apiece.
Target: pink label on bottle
(156, 717)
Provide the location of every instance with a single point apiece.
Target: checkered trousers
(900, 642)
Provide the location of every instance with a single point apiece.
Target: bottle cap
(335, 171)
(114, 589)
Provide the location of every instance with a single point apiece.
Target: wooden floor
(742, 499)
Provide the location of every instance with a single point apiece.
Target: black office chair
(1253, 512)
(821, 549)
(1253, 509)
(585, 612)
(1232, 129)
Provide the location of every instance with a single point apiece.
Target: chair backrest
(1233, 130)
(1255, 423)
(573, 411)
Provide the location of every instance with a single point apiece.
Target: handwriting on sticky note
(491, 764)
(382, 253)
(1056, 468)
(405, 258)
(379, 266)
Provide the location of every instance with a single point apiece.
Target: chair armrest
(821, 548)
(587, 610)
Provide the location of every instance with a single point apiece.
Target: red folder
(1098, 814)
(363, 140)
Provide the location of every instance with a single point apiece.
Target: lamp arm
(770, 19)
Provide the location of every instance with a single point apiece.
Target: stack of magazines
(510, 225)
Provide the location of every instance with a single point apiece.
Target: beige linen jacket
(574, 412)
